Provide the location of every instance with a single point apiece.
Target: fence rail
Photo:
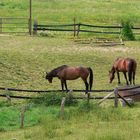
(90, 91)
(21, 25)
(115, 91)
(41, 91)
(101, 98)
(80, 27)
(14, 25)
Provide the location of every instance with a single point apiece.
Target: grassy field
(87, 11)
(24, 61)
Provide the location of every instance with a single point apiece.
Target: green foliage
(86, 109)
(5, 104)
(126, 32)
(54, 98)
(86, 117)
(85, 106)
(112, 114)
(10, 116)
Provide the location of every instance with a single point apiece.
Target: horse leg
(62, 85)
(130, 77)
(125, 76)
(65, 84)
(86, 84)
(134, 78)
(118, 77)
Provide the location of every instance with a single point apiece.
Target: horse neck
(113, 70)
(53, 73)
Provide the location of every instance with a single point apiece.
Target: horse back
(125, 64)
(120, 65)
(71, 73)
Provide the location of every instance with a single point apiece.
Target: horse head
(111, 76)
(49, 77)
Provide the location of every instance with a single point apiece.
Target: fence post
(116, 97)
(62, 107)
(121, 41)
(74, 28)
(35, 27)
(0, 25)
(78, 30)
(7, 96)
(22, 115)
(30, 26)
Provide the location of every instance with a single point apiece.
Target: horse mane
(56, 70)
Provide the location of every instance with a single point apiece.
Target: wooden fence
(21, 25)
(115, 91)
(78, 28)
(14, 25)
(122, 93)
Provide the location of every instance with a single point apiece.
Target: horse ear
(46, 73)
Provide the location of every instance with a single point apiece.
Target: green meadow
(85, 11)
(25, 59)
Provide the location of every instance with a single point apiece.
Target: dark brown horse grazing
(65, 72)
(124, 65)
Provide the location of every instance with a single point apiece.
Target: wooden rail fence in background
(21, 25)
(78, 28)
(14, 25)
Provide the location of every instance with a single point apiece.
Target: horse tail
(90, 78)
(130, 70)
(134, 71)
(133, 68)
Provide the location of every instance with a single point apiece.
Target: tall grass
(10, 116)
(105, 123)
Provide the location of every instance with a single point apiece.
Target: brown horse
(65, 72)
(124, 65)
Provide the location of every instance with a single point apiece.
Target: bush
(126, 32)
(55, 99)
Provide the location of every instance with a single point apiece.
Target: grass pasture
(59, 11)
(24, 61)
